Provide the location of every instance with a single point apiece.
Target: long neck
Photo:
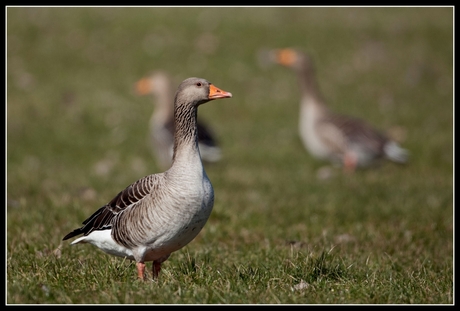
(186, 135)
(164, 108)
(309, 88)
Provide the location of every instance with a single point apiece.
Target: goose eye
(198, 84)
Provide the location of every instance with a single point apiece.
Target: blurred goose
(160, 213)
(161, 126)
(341, 139)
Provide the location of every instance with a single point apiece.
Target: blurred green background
(77, 135)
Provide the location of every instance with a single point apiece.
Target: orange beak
(286, 57)
(143, 86)
(215, 93)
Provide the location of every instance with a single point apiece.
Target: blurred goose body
(340, 139)
(160, 213)
(161, 124)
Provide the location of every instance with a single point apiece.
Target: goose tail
(396, 153)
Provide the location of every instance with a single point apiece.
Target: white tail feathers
(79, 240)
(395, 153)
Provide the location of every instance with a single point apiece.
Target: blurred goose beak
(286, 57)
(143, 86)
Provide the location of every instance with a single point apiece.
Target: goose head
(157, 83)
(197, 91)
(293, 58)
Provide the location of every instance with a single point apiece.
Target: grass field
(278, 234)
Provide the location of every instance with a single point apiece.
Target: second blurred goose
(161, 125)
(341, 139)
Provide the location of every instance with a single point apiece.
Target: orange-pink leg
(140, 270)
(349, 163)
(156, 268)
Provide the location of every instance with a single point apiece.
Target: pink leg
(349, 163)
(156, 268)
(140, 270)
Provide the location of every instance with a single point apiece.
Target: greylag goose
(341, 139)
(160, 213)
(161, 125)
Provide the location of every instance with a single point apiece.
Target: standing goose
(160, 213)
(161, 125)
(341, 139)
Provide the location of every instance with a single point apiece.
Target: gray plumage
(161, 124)
(341, 139)
(160, 213)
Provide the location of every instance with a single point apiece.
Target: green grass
(76, 135)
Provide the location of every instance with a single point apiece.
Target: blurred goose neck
(308, 85)
(163, 109)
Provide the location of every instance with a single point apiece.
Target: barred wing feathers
(127, 199)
